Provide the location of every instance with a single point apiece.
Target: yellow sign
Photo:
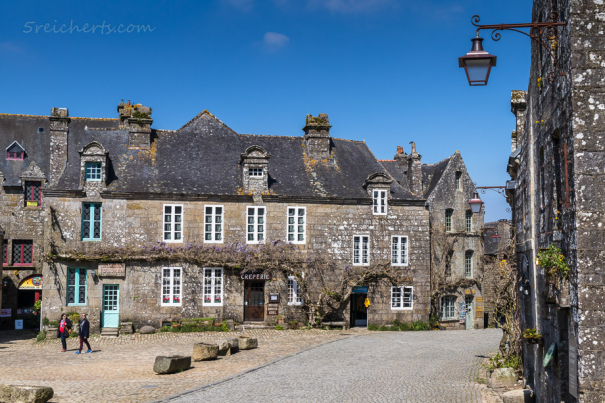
(367, 302)
(467, 291)
(479, 299)
(31, 283)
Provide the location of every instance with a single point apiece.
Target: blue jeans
(63, 342)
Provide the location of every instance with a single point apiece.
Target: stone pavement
(120, 370)
(378, 367)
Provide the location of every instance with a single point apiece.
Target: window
(22, 253)
(361, 244)
(448, 264)
(256, 172)
(448, 307)
(76, 286)
(213, 224)
(458, 180)
(91, 221)
(379, 201)
(294, 297)
(469, 221)
(448, 220)
(15, 152)
(171, 286)
(296, 224)
(399, 250)
(93, 171)
(256, 225)
(468, 302)
(33, 195)
(468, 264)
(213, 286)
(5, 253)
(402, 298)
(173, 223)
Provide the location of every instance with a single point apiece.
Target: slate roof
(431, 174)
(200, 158)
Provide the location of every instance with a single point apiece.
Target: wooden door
(254, 301)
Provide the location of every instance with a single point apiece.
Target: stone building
(456, 244)
(118, 183)
(496, 246)
(557, 170)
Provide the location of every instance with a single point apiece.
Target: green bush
(41, 336)
(372, 326)
(293, 324)
(164, 329)
(394, 328)
(279, 327)
(419, 325)
(188, 328)
(434, 321)
(224, 327)
(54, 323)
(175, 329)
(384, 328)
(396, 322)
(74, 333)
(404, 327)
(45, 321)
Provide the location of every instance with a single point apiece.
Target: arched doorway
(29, 292)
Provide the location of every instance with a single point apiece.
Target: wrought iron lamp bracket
(540, 32)
(501, 190)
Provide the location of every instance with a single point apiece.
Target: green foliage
(75, 319)
(188, 328)
(224, 327)
(140, 115)
(41, 336)
(73, 334)
(175, 329)
(293, 324)
(404, 327)
(396, 322)
(54, 323)
(372, 326)
(531, 334)
(45, 321)
(553, 261)
(434, 321)
(164, 329)
(497, 361)
(419, 325)
(384, 328)
(279, 327)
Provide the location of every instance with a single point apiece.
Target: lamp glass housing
(477, 64)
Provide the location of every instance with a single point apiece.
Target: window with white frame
(448, 307)
(173, 223)
(468, 264)
(213, 224)
(361, 250)
(255, 228)
(171, 286)
(294, 297)
(469, 221)
(213, 286)
(379, 201)
(448, 220)
(255, 172)
(399, 250)
(297, 221)
(402, 297)
(458, 180)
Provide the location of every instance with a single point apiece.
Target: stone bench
(171, 364)
(343, 324)
(247, 343)
(204, 352)
(228, 346)
(25, 394)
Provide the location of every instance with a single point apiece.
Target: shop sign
(360, 290)
(272, 309)
(111, 269)
(255, 276)
(5, 313)
(479, 312)
(479, 299)
(31, 283)
(274, 298)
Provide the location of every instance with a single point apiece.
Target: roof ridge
(21, 114)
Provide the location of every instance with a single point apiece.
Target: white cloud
(10, 48)
(352, 6)
(274, 41)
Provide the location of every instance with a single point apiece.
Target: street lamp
(475, 203)
(477, 63)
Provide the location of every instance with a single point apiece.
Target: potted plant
(553, 261)
(280, 320)
(532, 336)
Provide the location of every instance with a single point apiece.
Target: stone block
(503, 378)
(230, 325)
(147, 330)
(204, 352)
(171, 364)
(247, 343)
(518, 396)
(25, 394)
(228, 346)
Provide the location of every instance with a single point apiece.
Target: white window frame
(213, 218)
(172, 223)
(451, 219)
(379, 202)
(294, 287)
(255, 172)
(398, 252)
(212, 283)
(405, 299)
(296, 225)
(468, 263)
(171, 286)
(358, 247)
(468, 221)
(256, 224)
(453, 307)
(458, 180)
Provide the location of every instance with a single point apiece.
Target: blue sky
(383, 70)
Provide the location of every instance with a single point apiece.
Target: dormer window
(93, 171)
(15, 152)
(255, 172)
(378, 186)
(33, 195)
(93, 165)
(380, 202)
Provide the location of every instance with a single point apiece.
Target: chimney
(401, 157)
(137, 119)
(317, 136)
(415, 171)
(59, 125)
(518, 106)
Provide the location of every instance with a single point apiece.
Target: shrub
(434, 321)
(175, 329)
(41, 336)
(553, 261)
(372, 326)
(394, 328)
(54, 323)
(404, 327)
(293, 324)
(164, 329)
(396, 322)
(45, 321)
(74, 317)
(224, 327)
(512, 361)
(188, 328)
(384, 328)
(279, 327)
(419, 325)
(73, 334)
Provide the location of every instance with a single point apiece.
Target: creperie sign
(255, 276)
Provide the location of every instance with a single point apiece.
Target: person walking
(63, 332)
(84, 333)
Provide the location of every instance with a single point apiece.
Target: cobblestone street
(377, 367)
(301, 365)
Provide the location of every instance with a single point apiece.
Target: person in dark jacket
(84, 333)
(63, 332)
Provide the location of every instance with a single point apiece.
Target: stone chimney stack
(401, 157)
(137, 119)
(317, 136)
(59, 126)
(518, 106)
(415, 171)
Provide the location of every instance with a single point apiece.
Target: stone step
(109, 332)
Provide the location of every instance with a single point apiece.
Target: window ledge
(295, 304)
(402, 309)
(449, 320)
(211, 304)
